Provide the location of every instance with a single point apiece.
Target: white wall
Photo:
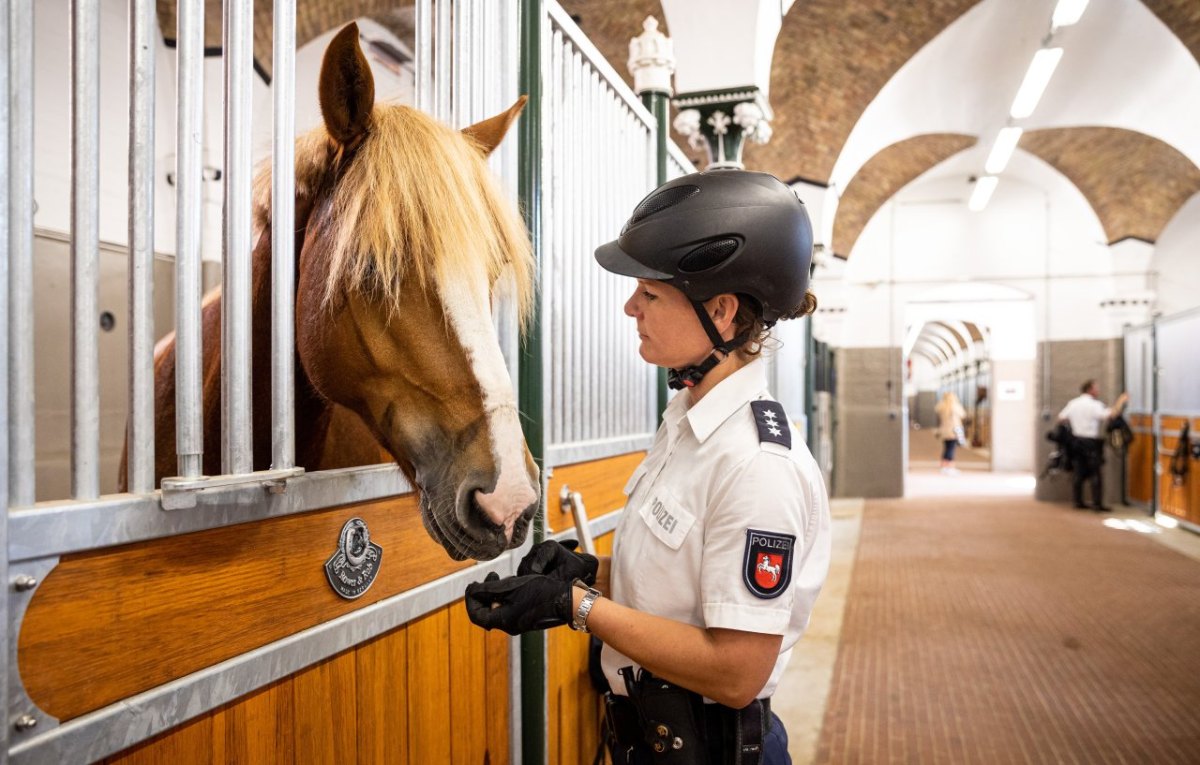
(1176, 261)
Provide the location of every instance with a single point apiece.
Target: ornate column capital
(651, 60)
(721, 121)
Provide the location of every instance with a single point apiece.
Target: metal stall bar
(21, 475)
(422, 49)
(237, 444)
(7, 89)
(599, 123)
(143, 27)
(531, 394)
(189, 429)
(283, 237)
(85, 248)
(441, 67)
(461, 73)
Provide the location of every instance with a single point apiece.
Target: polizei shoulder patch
(767, 566)
(772, 423)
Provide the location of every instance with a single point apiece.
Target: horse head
(407, 237)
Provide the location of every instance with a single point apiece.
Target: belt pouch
(669, 717)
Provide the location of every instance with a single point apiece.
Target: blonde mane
(417, 201)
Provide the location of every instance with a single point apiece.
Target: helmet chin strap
(690, 377)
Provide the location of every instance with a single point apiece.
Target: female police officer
(725, 541)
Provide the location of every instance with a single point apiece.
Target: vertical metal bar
(424, 53)
(532, 370)
(237, 454)
(189, 187)
(283, 236)
(143, 27)
(85, 248)
(6, 114)
(442, 71)
(578, 372)
(477, 58)
(462, 64)
(21, 482)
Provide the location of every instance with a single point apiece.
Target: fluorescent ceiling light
(1067, 12)
(1002, 150)
(982, 193)
(1036, 79)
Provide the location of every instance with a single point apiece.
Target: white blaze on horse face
(467, 305)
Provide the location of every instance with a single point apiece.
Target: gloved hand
(518, 604)
(560, 561)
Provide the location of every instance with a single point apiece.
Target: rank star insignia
(771, 430)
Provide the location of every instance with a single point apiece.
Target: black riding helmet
(720, 231)
(715, 232)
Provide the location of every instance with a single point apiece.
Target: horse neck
(311, 411)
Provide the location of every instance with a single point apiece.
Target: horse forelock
(412, 206)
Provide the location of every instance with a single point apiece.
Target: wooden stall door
(389, 701)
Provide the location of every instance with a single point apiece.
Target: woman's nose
(630, 308)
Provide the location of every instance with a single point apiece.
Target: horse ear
(489, 133)
(347, 89)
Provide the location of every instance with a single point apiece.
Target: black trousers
(1088, 459)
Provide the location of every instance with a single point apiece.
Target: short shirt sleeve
(752, 541)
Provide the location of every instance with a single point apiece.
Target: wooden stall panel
(1178, 498)
(1139, 464)
(266, 579)
(599, 481)
(388, 701)
(575, 706)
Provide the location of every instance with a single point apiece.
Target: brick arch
(1182, 17)
(1135, 183)
(883, 175)
(831, 60)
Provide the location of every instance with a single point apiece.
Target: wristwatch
(579, 623)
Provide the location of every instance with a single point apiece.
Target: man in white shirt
(1087, 416)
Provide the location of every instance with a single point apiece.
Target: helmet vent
(708, 255)
(661, 201)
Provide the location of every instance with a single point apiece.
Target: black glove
(518, 604)
(560, 562)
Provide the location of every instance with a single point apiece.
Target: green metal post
(810, 384)
(656, 102)
(530, 394)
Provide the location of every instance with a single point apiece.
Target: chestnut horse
(402, 234)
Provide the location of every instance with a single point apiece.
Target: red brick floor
(1011, 631)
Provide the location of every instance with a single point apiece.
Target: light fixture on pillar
(1002, 150)
(982, 193)
(721, 121)
(1037, 77)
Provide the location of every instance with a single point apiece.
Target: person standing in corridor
(950, 414)
(1087, 416)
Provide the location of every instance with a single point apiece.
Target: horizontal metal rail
(58, 528)
(582, 451)
(130, 721)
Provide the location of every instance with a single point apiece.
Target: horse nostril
(480, 516)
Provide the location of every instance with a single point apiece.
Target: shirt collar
(718, 404)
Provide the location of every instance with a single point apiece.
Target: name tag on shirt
(667, 519)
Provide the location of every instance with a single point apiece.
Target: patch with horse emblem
(772, 423)
(767, 566)
(353, 568)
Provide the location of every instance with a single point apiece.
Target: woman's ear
(723, 309)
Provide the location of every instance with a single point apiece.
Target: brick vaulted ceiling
(1135, 183)
(885, 174)
(831, 60)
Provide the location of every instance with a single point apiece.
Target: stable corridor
(996, 629)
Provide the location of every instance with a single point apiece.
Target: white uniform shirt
(1086, 415)
(682, 549)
